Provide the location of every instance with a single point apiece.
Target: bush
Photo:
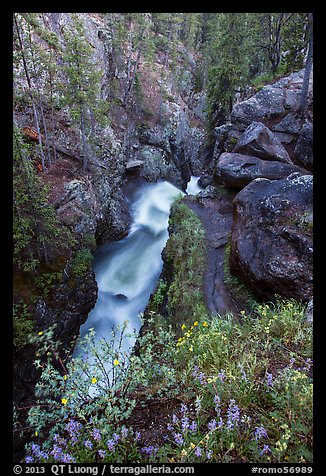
(23, 325)
(81, 263)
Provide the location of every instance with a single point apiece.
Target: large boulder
(272, 101)
(303, 151)
(271, 241)
(259, 141)
(238, 170)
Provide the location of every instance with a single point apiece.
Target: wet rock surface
(271, 241)
(238, 170)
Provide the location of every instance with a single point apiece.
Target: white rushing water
(193, 188)
(127, 271)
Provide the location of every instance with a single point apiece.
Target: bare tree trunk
(307, 71)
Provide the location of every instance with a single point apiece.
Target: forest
(163, 238)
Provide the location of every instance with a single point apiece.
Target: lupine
(184, 424)
(57, 452)
(266, 449)
(217, 401)
(150, 450)
(193, 426)
(88, 444)
(178, 438)
(73, 427)
(124, 432)
(29, 459)
(138, 435)
(209, 454)
(36, 450)
(111, 445)
(212, 425)
(233, 414)
(198, 404)
(96, 434)
(116, 437)
(198, 452)
(102, 453)
(269, 378)
(260, 432)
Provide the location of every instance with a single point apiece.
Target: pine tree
(82, 88)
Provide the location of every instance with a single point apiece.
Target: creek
(127, 271)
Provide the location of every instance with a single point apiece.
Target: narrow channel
(127, 271)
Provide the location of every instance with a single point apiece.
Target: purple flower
(96, 434)
(211, 425)
(198, 452)
(193, 426)
(175, 419)
(88, 444)
(73, 427)
(209, 454)
(243, 373)
(138, 435)
(260, 432)
(36, 450)
(266, 449)
(111, 444)
(197, 404)
(184, 424)
(217, 401)
(184, 409)
(269, 378)
(124, 432)
(233, 415)
(58, 439)
(66, 458)
(29, 459)
(178, 438)
(116, 437)
(150, 450)
(57, 452)
(102, 453)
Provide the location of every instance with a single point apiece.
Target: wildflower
(184, 424)
(40, 333)
(243, 373)
(198, 452)
(102, 453)
(196, 323)
(36, 433)
(116, 362)
(116, 437)
(150, 450)
(266, 449)
(193, 426)
(138, 435)
(88, 444)
(175, 419)
(64, 401)
(57, 452)
(178, 438)
(96, 434)
(183, 327)
(260, 432)
(66, 458)
(233, 414)
(269, 378)
(192, 446)
(65, 377)
(242, 312)
(205, 324)
(217, 401)
(184, 408)
(124, 432)
(191, 348)
(94, 380)
(29, 459)
(61, 441)
(111, 445)
(209, 454)
(197, 404)
(212, 425)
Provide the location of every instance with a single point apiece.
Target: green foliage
(23, 325)
(187, 262)
(35, 227)
(158, 298)
(81, 263)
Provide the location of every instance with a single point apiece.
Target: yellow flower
(242, 312)
(64, 401)
(192, 445)
(205, 324)
(116, 362)
(65, 377)
(191, 348)
(40, 333)
(36, 433)
(183, 326)
(196, 323)
(94, 380)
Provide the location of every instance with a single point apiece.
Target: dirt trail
(216, 217)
